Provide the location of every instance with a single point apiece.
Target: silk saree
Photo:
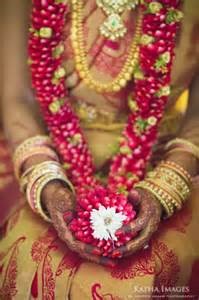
(35, 264)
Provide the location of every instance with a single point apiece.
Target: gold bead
(116, 88)
(122, 82)
(79, 66)
(77, 36)
(127, 76)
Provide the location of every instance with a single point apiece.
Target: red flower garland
(151, 90)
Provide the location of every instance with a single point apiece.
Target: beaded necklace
(80, 53)
(146, 102)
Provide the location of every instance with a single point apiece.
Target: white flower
(105, 222)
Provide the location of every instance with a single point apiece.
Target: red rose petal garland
(146, 102)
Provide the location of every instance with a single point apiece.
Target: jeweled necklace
(113, 27)
(80, 54)
(147, 103)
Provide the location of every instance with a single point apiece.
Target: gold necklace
(113, 27)
(82, 66)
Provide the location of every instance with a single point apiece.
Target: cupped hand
(60, 203)
(149, 213)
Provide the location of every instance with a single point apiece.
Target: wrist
(186, 160)
(34, 160)
(49, 192)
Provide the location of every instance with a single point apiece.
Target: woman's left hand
(145, 224)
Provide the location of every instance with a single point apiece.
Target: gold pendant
(113, 27)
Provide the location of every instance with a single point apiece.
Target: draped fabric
(35, 264)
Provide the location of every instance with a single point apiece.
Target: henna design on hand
(148, 230)
(144, 214)
(59, 203)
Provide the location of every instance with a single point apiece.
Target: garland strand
(147, 103)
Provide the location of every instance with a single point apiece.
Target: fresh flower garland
(147, 103)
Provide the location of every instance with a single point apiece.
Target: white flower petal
(101, 228)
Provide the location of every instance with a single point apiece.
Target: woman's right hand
(60, 203)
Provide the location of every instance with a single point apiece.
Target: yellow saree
(35, 264)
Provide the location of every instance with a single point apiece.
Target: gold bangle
(40, 169)
(171, 178)
(40, 184)
(171, 195)
(179, 170)
(183, 144)
(24, 178)
(52, 166)
(37, 150)
(170, 184)
(38, 140)
(178, 150)
(159, 195)
(33, 194)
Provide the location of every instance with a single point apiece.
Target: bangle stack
(37, 145)
(170, 184)
(33, 180)
(182, 145)
(37, 183)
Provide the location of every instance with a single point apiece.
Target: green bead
(140, 125)
(125, 150)
(166, 57)
(146, 39)
(152, 121)
(174, 15)
(57, 51)
(45, 32)
(132, 104)
(164, 91)
(66, 166)
(60, 73)
(55, 106)
(154, 7)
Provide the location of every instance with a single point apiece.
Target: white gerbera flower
(105, 222)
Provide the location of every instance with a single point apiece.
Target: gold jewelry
(183, 144)
(38, 170)
(37, 179)
(26, 149)
(160, 195)
(38, 140)
(113, 27)
(26, 154)
(172, 179)
(38, 188)
(179, 170)
(172, 196)
(24, 178)
(80, 54)
(179, 150)
(170, 184)
(43, 169)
